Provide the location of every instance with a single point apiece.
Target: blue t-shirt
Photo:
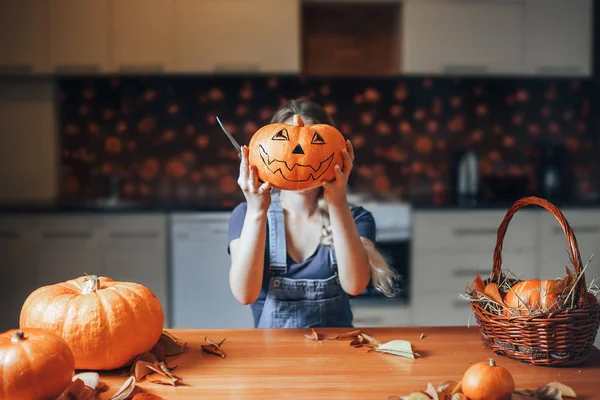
(316, 266)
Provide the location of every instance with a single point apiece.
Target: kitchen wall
(160, 136)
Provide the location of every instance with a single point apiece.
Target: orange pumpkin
(106, 323)
(487, 381)
(534, 294)
(34, 364)
(296, 157)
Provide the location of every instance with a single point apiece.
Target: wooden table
(283, 364)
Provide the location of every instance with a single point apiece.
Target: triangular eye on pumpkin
(282, 135)
(317, 139)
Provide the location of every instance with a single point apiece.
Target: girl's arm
(247, 258)
(248, 252)
(353, 261)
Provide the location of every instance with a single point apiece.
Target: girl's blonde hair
(383, 278)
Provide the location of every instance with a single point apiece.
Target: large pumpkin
(106, 323)
(34, 365)
(533, 295)
(296, 157)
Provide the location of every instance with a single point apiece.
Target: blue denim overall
(300, 303)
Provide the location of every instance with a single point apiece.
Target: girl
(305, 277)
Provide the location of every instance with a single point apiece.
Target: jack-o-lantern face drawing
(296, 157)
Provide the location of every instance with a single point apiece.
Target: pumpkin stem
(91, 283)
(18, 336)
(298, 120)
(492, 362)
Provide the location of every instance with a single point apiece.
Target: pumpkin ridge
(148, 307)
(103, 314)
(25, 348)
(126, 302)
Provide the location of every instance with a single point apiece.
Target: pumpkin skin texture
(34, 365)
(296, 157)
(106, 323)
(535, 294)
(487, 381)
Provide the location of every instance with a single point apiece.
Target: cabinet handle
(579, 229)
(9, 235)
(15, 69)
(475, 231)
(470, 272)
(134, 235)
(77, 69)
(141, 68)
(67, 235)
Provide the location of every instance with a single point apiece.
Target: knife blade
(231, 139)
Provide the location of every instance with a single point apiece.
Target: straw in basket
(559, 336)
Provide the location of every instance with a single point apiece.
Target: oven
(394, 228)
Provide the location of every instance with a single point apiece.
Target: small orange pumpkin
(35, 364)
(487, 381)
(296, 157)
(105, 323)
(534, 294)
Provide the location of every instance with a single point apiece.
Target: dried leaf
(459, 396)
(90, 379)
(422, 336)
(358, 342)
(431, 392)
(160, 379)
(447, 387)
(148, 357)
(371, 339)
(418, 396)
(398, 397)
(158, 352)
(564, 390)
(397, 347)
(102, 387)
(457, 388)
(74, 391)
(478, 285)
(126, 390)
(347, 335)
(146, 396)
(491, 290)
(548, 393)
(171, 346)
(213, 349)
(313, 336)
(524, 392)
(141, 369)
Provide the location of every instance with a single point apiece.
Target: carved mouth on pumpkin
(301, 172)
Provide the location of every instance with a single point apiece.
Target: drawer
(385, 314)
(473, 230)
(448, 272)
(441, 310)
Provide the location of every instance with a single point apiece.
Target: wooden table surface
(283, 364)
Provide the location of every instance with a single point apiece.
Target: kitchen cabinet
(67, 247)
(134, 249)
(455, 37)
(370, 313)
(558, 37)
(78, 36)
(200, 293)
(17, 267)
(24, 33)
(237, 36)
(142, 35)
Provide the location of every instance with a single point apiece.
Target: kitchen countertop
(283, 364)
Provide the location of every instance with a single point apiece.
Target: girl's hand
(258, 197)
(335, 190)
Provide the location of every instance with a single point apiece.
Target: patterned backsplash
(159, 137)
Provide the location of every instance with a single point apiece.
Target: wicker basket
(561, 338)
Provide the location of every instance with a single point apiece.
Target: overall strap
(277, 245)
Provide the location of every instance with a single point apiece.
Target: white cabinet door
(67, 247)
(135, 250)
(200, 292)
(24, 36)
(461, 37)
(78, 36)
(142, 35)
(558, 37)
(237, 35)
(17, 267)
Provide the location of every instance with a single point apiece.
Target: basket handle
(580, 290)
